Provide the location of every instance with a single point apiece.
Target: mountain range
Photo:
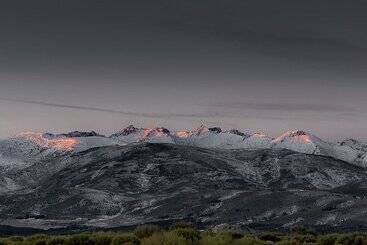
(207, 176)
(29, 144)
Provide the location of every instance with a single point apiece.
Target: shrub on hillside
(189, 234)
(16, 239)
(56, 241)
(125, 240)
(146, 231)
(303, 231)
(183, 225)
(82, 239)
(102, 239)
(352, 239)
(248, 240)
(165, 238)
(272, 237)
(223, 238)
(327, 239)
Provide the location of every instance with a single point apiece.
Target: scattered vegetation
(187, 235)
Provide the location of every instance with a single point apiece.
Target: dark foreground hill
(119, 186)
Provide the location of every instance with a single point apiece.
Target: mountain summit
(301, 141)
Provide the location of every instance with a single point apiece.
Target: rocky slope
(115, 186)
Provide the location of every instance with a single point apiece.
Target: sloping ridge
(129, 185)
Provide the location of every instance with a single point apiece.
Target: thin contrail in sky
(85, 108)
(98, 109)
(196, 115)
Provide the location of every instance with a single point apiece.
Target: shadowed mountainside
(146, 183)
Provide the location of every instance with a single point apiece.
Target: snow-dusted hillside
(301, 141)
(82, 140)
(28, 147)
(31, 147)
(216, 138)
(359, 147)
(354, 144)
(117, 186)
(210, 138)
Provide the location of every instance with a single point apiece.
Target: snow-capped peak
(201, 130)
(156, 132)
(237, 132)
(299, 140)
(39, 139)
(298, 136)
(215, 137)
(127, 131)
(74, 134)
(132, 134)
(184, 134)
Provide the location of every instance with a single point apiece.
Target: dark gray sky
(267, 65)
